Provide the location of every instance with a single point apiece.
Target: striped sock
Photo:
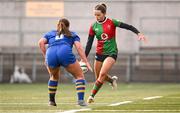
(80, 88)
(52, 87)
(96, 88)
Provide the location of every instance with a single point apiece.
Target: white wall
(159, 20)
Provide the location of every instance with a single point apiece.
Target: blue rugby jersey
(53, 39)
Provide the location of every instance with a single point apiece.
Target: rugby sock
(52, 87)
(96, 88)
(80, 88)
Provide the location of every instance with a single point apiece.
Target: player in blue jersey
(59, 53)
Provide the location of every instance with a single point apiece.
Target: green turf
(33, 98)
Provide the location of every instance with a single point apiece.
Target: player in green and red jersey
(104, 29)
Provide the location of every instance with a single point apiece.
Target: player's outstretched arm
(133, 29)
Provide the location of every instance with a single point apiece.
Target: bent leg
(76, 71)
(97, 68)
(106, 66)
(52, 84)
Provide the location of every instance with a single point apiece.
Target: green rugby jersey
(105, 34)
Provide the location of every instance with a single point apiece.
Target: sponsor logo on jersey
(104, 36)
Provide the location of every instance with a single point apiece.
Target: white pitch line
(75, 110)
(136, 110)
(88, 109)
(150, 98)
(120, 103)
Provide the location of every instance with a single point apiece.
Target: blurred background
(24, 22)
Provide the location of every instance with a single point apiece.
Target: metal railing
(161, 61)
(133, 65)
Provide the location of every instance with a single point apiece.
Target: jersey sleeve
(47, 36)
(89, 44)
(91, 31)
(76, 37)
(129, 27)
(116, 22)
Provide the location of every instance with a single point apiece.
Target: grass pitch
(33, 98)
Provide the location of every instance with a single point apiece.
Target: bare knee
(54, 77)
(54, 73)
(80, 76)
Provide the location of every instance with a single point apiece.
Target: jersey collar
(102, 21)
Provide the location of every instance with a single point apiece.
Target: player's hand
(89, 66)
(142, 37)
